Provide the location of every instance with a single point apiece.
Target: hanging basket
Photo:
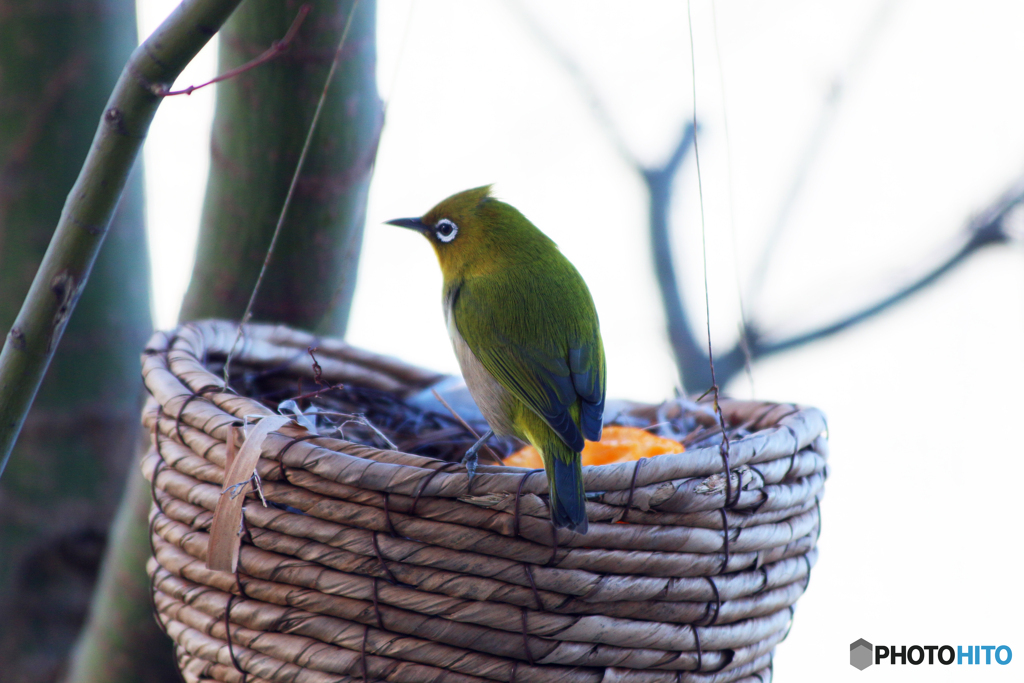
(379, 565)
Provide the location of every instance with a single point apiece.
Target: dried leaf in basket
(617, 444)
(225, 536)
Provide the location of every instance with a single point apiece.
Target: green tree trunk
(58, 63)
(261, 122)
(122, 643)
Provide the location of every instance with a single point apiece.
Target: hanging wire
(744, 326)
(724, 448)
(700, 194)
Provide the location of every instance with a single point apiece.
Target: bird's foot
(472, 457)
(471, 460)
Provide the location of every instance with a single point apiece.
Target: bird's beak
(411, 223)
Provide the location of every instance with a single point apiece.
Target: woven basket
(379, 565)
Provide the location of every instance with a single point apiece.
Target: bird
(525, 330)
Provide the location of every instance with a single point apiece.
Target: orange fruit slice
(617, 444)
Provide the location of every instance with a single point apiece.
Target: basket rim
(175, 373)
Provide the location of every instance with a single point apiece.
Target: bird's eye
(446, 230)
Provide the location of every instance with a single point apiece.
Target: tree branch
(78, 440)
(989, 227)
(276, 49)
(689, 354)
(89, 207)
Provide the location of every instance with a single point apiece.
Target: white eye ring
(445, 230)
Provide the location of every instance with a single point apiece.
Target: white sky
(920, 517)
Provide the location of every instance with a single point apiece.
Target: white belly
(491, 398)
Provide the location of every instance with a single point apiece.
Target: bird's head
(474, 233)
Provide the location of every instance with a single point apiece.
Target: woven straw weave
(380, 565)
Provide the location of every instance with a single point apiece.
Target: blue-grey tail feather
(591, 420)
(568, 499)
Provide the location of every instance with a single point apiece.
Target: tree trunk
(261, 121)
(122, 642)
(58, 63)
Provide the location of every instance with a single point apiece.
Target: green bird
(525, 330)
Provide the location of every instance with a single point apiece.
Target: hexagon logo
(861, 654)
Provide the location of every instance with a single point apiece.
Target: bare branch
(89, 207)
(988, 227)
(688, 352)
(279, 47)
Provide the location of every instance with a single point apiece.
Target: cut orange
(617, 444)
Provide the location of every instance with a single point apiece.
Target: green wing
(536, 332)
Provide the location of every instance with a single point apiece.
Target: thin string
(724, 448)
(700, 194)
(744, 327)
(291, 187)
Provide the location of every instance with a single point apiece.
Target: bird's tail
(565, 483)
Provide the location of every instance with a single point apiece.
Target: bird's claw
(470, 460)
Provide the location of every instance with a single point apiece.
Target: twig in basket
(458, 418)
(710, 389)
(318, 392)
(318, 377)
(318, 372)
(360, 419)
(234, 489)
(257, 484)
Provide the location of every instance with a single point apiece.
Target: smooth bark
(58, 64)
(261, 120)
